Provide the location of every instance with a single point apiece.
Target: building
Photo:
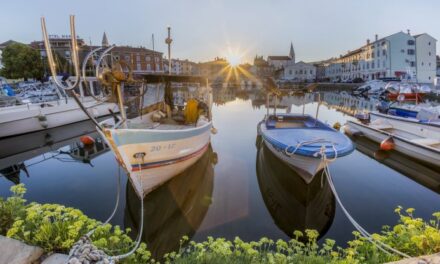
(261, 68)
(182, 67)
(140, 59)
(279, 62)
(400, 55)
(300, 72)
(286, 68)
(214, 70)
(61, 45)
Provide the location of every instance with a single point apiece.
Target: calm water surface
(236, 189)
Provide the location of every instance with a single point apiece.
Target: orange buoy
(87, 140)
(387, 144)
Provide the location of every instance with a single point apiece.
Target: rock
(56, 259)
(430, 259)
(15, 252)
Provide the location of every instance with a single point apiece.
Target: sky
(204, 29)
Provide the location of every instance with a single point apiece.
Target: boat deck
(167, 124)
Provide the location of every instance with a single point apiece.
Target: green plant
(11, 208)
(56, 228)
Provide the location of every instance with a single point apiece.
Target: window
(423, 63)
(148, 58)
(148, 67)
(429, 44)
(411, 42)
(384, 52)
(378, 53)
(138, 66)
(412, 64)
(372, 65)
(411, 52)
(429, 53)
(372, 54)
(290, 72)
(403, 51)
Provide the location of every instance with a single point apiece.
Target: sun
(233, 59)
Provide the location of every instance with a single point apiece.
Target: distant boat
(417, 140)
(301, 141)
(293, 204)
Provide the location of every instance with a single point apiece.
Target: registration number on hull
(157, 148)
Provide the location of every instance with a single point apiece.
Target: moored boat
(158, 145)
(21, 119)
(302, 142)
(415, 140)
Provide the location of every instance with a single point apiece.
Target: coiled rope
(84, 251)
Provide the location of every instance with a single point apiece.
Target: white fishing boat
(26, 118)
(155, 147)
(415, 140)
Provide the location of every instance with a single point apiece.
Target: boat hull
(306, 167)
(152, 157)
(428, 130)
(24, 119)
(425, 154)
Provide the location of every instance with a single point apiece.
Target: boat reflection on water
(426, 175)
(19, 153)
(175, 209)
(293, 204)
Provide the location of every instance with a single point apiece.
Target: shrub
(56, 228)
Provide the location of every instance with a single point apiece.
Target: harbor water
(238, 188)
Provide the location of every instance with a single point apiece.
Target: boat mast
(168, 41)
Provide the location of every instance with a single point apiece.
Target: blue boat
(303, 142)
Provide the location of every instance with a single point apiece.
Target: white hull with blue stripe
(154, 155)
(302, 141)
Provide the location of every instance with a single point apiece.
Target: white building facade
(300, 72)
(399, 55)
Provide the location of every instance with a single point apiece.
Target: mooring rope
(379, 244)
(84, 251)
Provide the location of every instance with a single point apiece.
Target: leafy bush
(56, 228)
(12, 208)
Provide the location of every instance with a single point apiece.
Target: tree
(21, 61)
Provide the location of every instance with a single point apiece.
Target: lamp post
(168, 41)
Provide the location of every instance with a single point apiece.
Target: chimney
(409, 33)
(376, 37)
(368, 41)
